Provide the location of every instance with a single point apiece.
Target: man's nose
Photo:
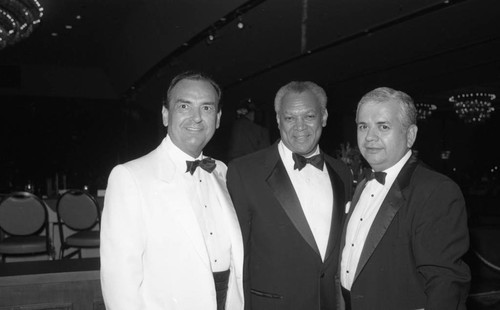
(196, 115)
(371, 134)
(300, 123)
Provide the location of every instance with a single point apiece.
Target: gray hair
(300, 87)
(408, 111)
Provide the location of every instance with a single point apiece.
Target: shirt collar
(393, 171)
(286, 154)
(177, 155)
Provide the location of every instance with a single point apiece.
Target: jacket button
(322, 275)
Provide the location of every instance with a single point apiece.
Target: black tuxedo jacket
(412, 255)
(282, 266)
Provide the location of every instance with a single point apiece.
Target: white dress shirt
(207, 210)
(362, 219)
(314, 189)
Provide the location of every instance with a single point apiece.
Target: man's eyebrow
(180, 100)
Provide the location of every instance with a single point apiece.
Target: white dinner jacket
(153, 255)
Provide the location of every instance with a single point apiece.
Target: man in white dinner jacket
(170, 238)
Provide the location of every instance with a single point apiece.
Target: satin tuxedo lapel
(271, 217)
(183, 213)
(284, 192)
(337, 210)
(390, 206)
(357, 194)
(355, 199)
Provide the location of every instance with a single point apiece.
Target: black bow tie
(207, 164)
(377, 175)
(300, 161)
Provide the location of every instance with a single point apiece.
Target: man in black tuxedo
(406, 231)
(290, 200)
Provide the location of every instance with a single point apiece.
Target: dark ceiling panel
(330, 21)
(271, 33)
(155, 29)
(123, 39)
(352, 44)
(441, 47)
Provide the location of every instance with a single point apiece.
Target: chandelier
(424, 110)
(473, 107)
(18, 18)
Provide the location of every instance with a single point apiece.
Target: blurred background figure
(247, 136)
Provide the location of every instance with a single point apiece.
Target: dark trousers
(347, 298)
(221, 282)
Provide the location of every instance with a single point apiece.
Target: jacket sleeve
(122, 243)
(440, 240)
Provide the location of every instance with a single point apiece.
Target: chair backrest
(22, 214)
(78, 210)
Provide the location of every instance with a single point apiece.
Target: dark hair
(196, 76)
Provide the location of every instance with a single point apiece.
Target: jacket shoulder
(255, 158)
(423, 171)
(142, 161)
(428, 178)
(336, 164)
(339, 166)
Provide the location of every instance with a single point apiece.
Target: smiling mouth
(194, 128)
(302, 138)
(372, 149)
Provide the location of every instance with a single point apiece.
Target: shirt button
(352, 244)
(347, 271)
(372, 195)
(322, 275)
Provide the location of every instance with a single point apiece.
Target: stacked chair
(24, 228)
(79, 216)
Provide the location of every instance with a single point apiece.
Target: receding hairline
(193, 76)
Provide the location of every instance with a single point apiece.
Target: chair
(79, 212)
(23, 219)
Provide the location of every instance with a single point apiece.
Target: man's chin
(303, 150)
(373, 160)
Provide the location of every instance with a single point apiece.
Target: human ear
(164, 115)
(411, 135)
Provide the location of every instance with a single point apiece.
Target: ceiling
(86, 98)
(428, 48)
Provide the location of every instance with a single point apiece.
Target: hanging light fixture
(18, 18)
(210, 38)
(240, 23)
(424, 110)
(473, 107)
